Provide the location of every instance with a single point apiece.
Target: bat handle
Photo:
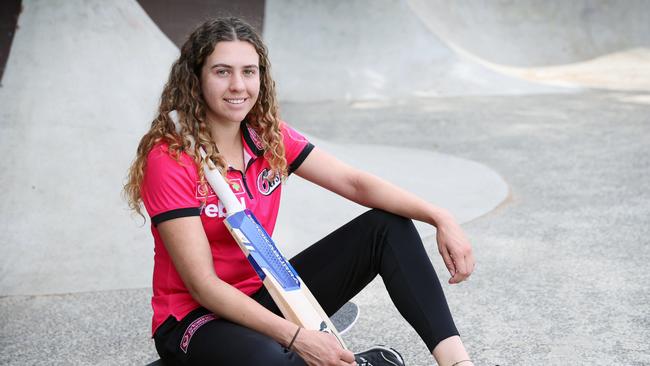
(223, 191)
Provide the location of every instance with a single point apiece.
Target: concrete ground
(562, 265)
(562, 274)
(551, 183)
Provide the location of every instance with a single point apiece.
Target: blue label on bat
(263, 252)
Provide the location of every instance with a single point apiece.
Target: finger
(461, 269)
(449, 262)
(343, 363)
(472, 263)
(347, 356)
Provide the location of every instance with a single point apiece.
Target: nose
(237, 82)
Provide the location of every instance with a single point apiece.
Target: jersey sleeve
(169, 188)
(296, 147)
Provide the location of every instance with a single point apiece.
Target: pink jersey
(171, 190)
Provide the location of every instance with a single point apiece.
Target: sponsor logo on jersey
(237, 187)
(217, 209)
(203, 190)
(265, 184)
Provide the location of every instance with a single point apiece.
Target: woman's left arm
(371, 191)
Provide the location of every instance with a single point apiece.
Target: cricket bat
(289, 292)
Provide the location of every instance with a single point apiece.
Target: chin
(238, 119)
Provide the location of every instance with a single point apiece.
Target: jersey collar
(252, 142)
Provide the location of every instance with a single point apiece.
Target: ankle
(463, 363)
(450, 352)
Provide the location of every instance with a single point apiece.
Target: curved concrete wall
(81, 85)
(82, 80)
(361, 50)
(538, 33)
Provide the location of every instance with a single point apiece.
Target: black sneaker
(379, 356)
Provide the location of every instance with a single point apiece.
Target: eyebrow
(252, 66)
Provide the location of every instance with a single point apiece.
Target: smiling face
(230, 81)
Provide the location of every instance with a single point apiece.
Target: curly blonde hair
(183, 93)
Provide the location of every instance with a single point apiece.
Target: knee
(386, 221)
(392, 230)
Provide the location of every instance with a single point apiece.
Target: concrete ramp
(82, 81)
(363, 50)
(466, 188)
(582, 43)
(538, 33)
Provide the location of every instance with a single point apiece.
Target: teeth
(235, 101)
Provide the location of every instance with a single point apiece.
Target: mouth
(235, 100)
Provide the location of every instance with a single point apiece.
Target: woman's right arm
(189, 249)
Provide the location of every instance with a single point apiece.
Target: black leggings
(335, 269)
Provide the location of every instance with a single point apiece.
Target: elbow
(199, 287)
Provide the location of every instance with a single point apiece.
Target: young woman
(209, 305)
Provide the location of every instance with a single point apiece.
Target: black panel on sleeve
(174, 214)
(295, 164)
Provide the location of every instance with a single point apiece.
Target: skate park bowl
(598, 44)
(77, 92)
(361, 80)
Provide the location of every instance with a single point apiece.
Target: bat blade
(288, 291)
(248, 231)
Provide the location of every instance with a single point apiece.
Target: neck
(225, 135)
